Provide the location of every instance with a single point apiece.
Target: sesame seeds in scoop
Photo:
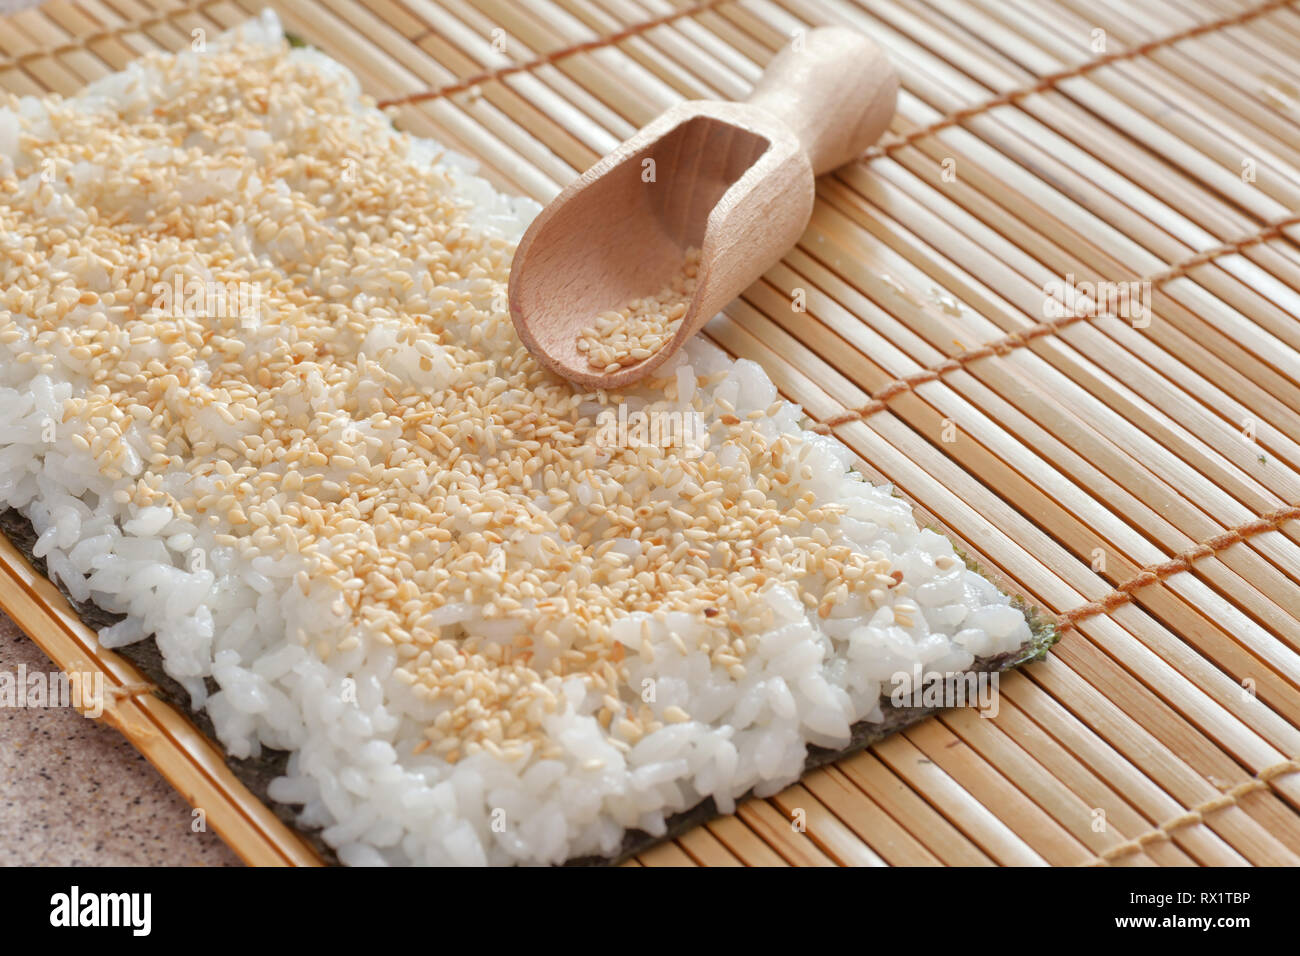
(621, 338)
(260, 397)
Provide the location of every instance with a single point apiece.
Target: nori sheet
(256, 773)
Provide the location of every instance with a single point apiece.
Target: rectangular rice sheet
(270, 428)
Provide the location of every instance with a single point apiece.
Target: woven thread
(1197, 814)
(1051, 80)
(1014, 340)
(131, 690)
(135, 26)
(951, 119)
(954, 118)
(122, 29)
(1155, 573)
(552, 58)
(1042, 85)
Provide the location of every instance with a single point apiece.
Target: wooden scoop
(732, 179)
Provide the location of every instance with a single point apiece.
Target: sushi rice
(260, 642)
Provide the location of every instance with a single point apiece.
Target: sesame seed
(622, 337)
(376, 418)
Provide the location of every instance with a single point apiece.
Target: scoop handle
(834, 89)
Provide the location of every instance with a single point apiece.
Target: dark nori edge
(256, 773)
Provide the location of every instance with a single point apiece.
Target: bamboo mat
(1139, 483)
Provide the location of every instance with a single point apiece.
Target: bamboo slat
(1141, 483)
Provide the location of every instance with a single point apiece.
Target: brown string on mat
(1197, 814)
(952, 119)
(550, 59)
(131, 690)
(83, 42)
(1014, 340)
(1051, 80)
(134, 26)
(1155, 573)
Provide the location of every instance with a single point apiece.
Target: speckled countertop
(73, 791)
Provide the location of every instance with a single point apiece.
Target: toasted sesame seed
(378, 419)
(623, 337)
